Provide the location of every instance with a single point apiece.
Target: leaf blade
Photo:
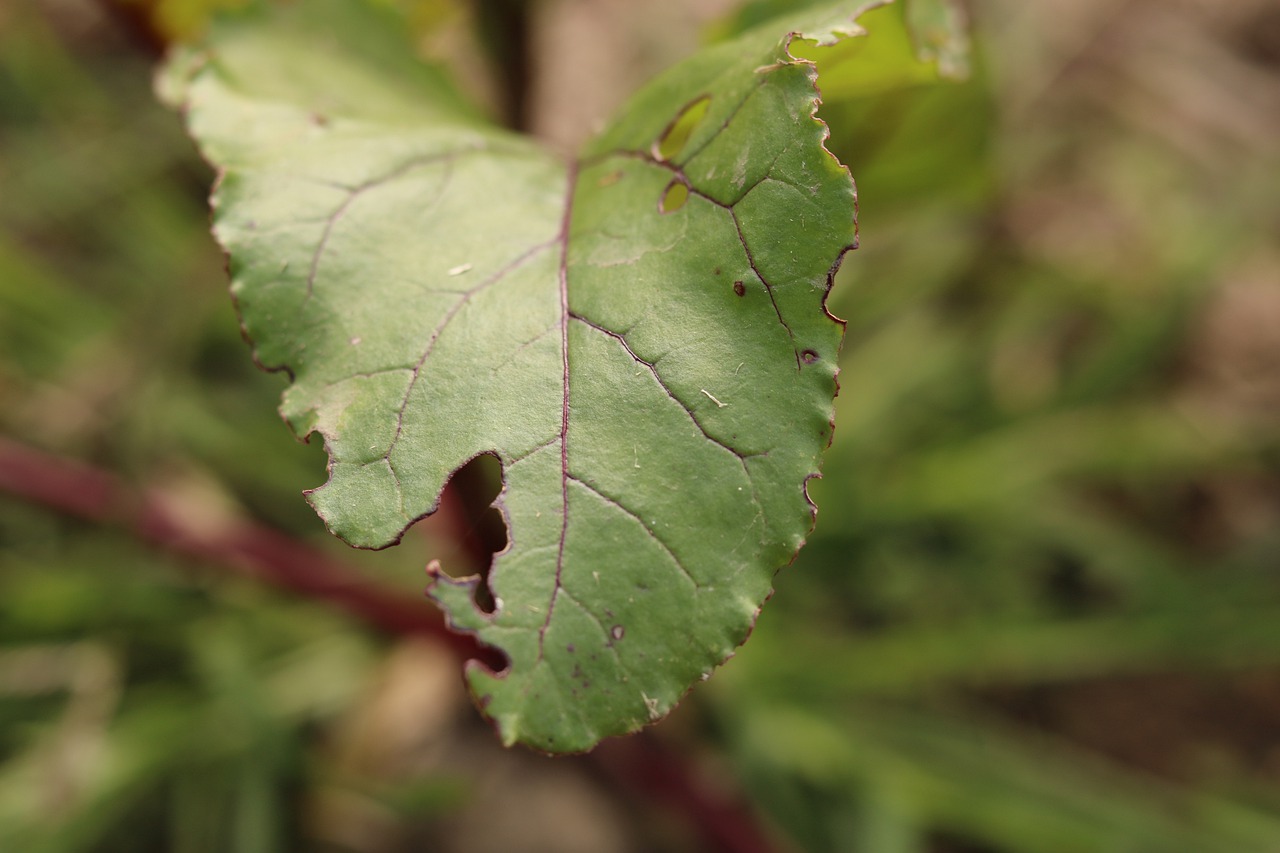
(639, 337)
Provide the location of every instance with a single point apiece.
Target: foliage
(640, 339)
(1037, 614)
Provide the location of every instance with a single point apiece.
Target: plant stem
(639, 763)
(504, 27)
(81, 491)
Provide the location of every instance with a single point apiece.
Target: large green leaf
(639, 336)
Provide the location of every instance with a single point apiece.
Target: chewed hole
(676, 136)
(673, 197)
(809, 356)
(468, 520)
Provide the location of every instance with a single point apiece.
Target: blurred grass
(1053, 497)
(1033, 488)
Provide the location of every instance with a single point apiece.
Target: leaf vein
(662, 383)
(608, 637)
(737, 223)
(621, 507)
(511, 460)
(562, 238)
(773, 298)
(445, 158)
(453, 311)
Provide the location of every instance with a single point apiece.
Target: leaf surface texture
(638, 335)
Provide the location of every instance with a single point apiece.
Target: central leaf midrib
(571, 183)
(566, 315)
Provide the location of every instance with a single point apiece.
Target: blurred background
(1040, 610)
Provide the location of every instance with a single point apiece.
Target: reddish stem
(81, 491)
(640, 763)
(644, 765)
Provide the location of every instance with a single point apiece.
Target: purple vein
(608, 637)
(453, 311)
(690, 155)
(737, 223)
(525, 346)
(682, 176)
(571, 186)
(618, 505)
(540, 446)
(724, 125)
(330, 221)
(364, 374)
(746, 249)
(742, 238)
(444, 158)
(742, 457)
(666, 388)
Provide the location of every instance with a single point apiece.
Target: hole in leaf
(673, 197)
(676, 136)
(809, 356)
(481, 529)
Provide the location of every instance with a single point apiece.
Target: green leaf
(911, 43)
(639, 336)
(939, 30)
